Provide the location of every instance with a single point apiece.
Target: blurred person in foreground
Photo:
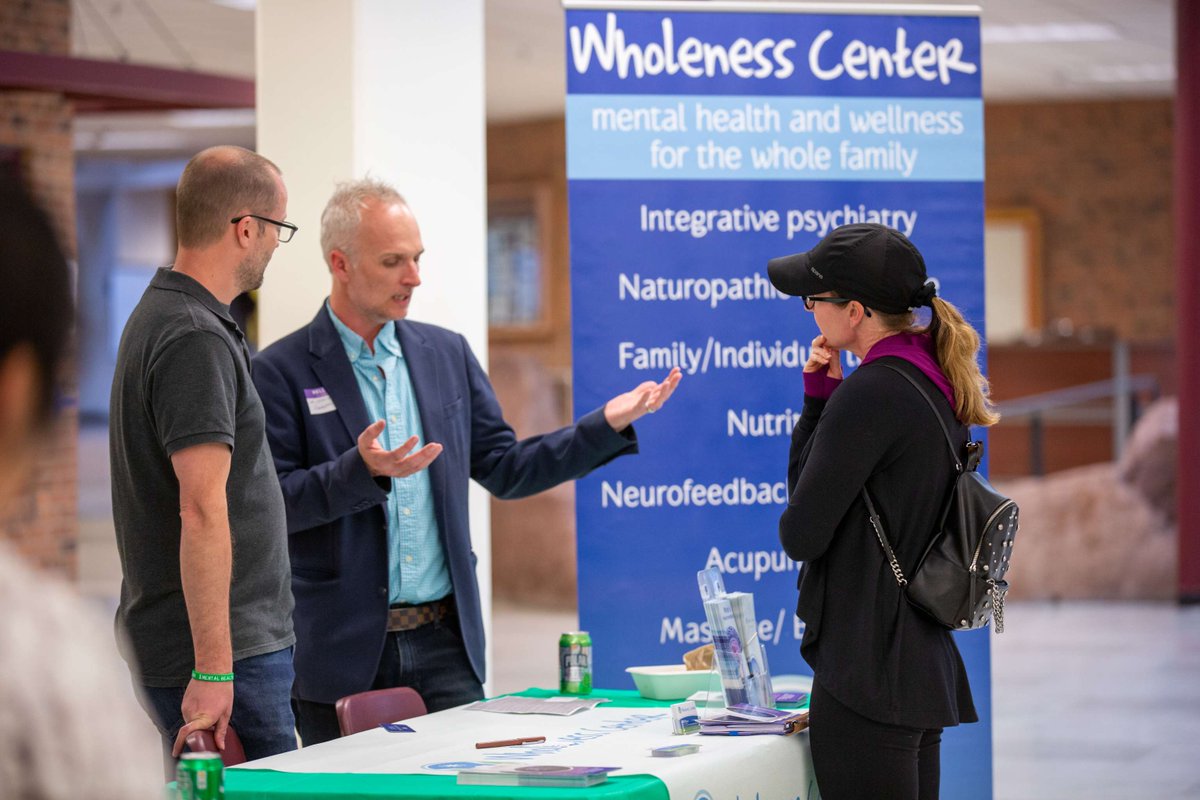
(64, 698)
(206, 600)
(886, 679)
(377, 425)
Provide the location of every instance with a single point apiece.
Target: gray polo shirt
(183, 379)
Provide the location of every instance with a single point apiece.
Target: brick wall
(43, 523)
(36, 26)
(1099, 177)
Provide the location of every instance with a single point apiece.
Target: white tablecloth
(726, 768)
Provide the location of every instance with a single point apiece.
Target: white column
(395, 90)
(306, 121)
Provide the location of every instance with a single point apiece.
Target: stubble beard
(250, 273)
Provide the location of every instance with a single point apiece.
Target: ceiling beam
(114, 86)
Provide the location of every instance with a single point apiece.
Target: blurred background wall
(36, 145)
(1079, 127)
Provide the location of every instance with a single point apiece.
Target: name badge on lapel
(319, 401)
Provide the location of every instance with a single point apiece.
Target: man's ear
(339, 265)
(241, 231)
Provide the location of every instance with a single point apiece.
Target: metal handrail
(1122, 388)
(1073, 396)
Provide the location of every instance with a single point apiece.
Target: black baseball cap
(873, 264)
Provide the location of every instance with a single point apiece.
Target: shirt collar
(170, 280)
(356, 347)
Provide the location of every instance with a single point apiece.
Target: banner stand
(702, 140)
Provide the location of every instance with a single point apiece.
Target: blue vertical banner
(700, 144)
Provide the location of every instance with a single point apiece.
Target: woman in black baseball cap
(887, 680)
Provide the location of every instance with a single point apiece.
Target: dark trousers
(261, 716)
(430, 659)
(856, 758)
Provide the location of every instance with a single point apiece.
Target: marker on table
(510, 742)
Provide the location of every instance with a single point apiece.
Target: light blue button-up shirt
(417, 570)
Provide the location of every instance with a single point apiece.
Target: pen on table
(510, 742)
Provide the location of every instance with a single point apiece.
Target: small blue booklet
(534, 775)
(791, 698)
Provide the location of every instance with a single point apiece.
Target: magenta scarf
(918, 350)
(915, 348)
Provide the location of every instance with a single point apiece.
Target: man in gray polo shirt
(206, 601)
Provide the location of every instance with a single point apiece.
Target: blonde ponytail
(957, 346)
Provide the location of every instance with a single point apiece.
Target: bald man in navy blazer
(376, 424)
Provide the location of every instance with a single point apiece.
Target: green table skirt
(250, 784)
(244, 784)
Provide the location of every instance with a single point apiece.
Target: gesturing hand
(822, 357)
(206, 704)
(398, 463)
(648, 397)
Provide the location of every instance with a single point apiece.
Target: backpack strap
(958, 464)
(876, 522)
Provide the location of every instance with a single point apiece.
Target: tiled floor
(1092, 700)
(1097, 700)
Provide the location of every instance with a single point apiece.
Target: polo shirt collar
(170, 280)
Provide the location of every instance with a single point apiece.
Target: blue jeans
(262, 711)
(431, 659)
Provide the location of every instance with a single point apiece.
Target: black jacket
(866, 645)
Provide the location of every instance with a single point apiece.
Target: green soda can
(200, 776)
(575, 663)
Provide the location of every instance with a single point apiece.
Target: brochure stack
(739, 655)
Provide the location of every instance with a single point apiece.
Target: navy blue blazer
(337, 525)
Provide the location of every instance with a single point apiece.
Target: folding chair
(365, 710)
(205, 742)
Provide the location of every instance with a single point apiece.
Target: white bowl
(673, 681)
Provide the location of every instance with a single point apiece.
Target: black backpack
(959, 581)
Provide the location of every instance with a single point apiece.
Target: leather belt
(406, 618)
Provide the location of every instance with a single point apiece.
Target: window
(518, 261)
(1013, 274)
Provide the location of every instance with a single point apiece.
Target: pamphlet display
(745, 678)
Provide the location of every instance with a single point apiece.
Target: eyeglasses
(810, 302)
(286, 229)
